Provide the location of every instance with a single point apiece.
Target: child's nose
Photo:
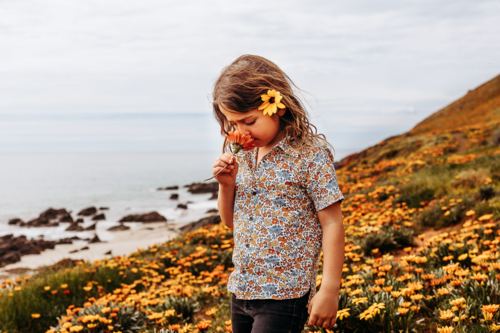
(243, 130)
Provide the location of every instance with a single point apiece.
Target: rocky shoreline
(12, 248)
(194, 188)
(18, 255)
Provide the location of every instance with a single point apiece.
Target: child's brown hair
(240, 86)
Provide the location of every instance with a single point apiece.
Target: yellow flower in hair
(271, 102)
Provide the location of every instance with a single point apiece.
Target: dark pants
(269, 315)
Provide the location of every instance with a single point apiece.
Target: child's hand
(228, 176)
(323, 310)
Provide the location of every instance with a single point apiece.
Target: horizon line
(97, 115)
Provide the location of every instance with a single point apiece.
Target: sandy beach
(124, 243)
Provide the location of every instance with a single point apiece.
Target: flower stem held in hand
(238, 142)
(218, 172)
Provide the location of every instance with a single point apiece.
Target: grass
(441, 179)
(16, 310)
(389, 239)
(470, 178)
(495, 206)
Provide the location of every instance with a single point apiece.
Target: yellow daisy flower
(344, 313)
(445, 329)
(403, 311)
(272, 101)
(446, 315)
(492, 308)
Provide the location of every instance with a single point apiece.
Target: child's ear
(281, 112)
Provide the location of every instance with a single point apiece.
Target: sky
(124, 75)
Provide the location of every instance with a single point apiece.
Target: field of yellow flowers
(421, 218)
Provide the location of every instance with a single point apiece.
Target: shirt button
(248, 245)
(254, 193)
(251, 218)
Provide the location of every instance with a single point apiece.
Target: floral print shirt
(277, 233)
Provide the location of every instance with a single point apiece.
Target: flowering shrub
(399, 274)
(101, 317)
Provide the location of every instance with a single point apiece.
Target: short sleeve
(320, 179)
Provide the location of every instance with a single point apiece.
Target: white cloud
(363, 62)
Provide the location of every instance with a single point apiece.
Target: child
(283, 201)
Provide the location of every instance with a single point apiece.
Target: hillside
(478, 107)
(422, 229)
(466, 122)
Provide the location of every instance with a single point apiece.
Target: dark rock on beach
(213, 210)
(103, 208)
(145, 218)
(68, 240)
(65, 241)
(17, 222)
(91, 227)
(182, 206)
(10, 258)
(199, 188)
(41, 222)
(52, 214)
(49, 218)
(66, 218)
(79, 220)
(99, 217)
(32, 248)
(74, 227)
(120, 227)
(168, 188)
(174, 196)
(12, 248)
(88, 211)
(200, 223)
(214, 196)
(95, 240)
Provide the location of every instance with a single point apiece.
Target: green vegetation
(413, 184)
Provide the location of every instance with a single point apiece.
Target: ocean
(126, 183)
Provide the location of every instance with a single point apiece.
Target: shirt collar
(283, 145)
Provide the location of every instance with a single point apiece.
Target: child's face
(264, 129)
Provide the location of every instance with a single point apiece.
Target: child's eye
(251, 123)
